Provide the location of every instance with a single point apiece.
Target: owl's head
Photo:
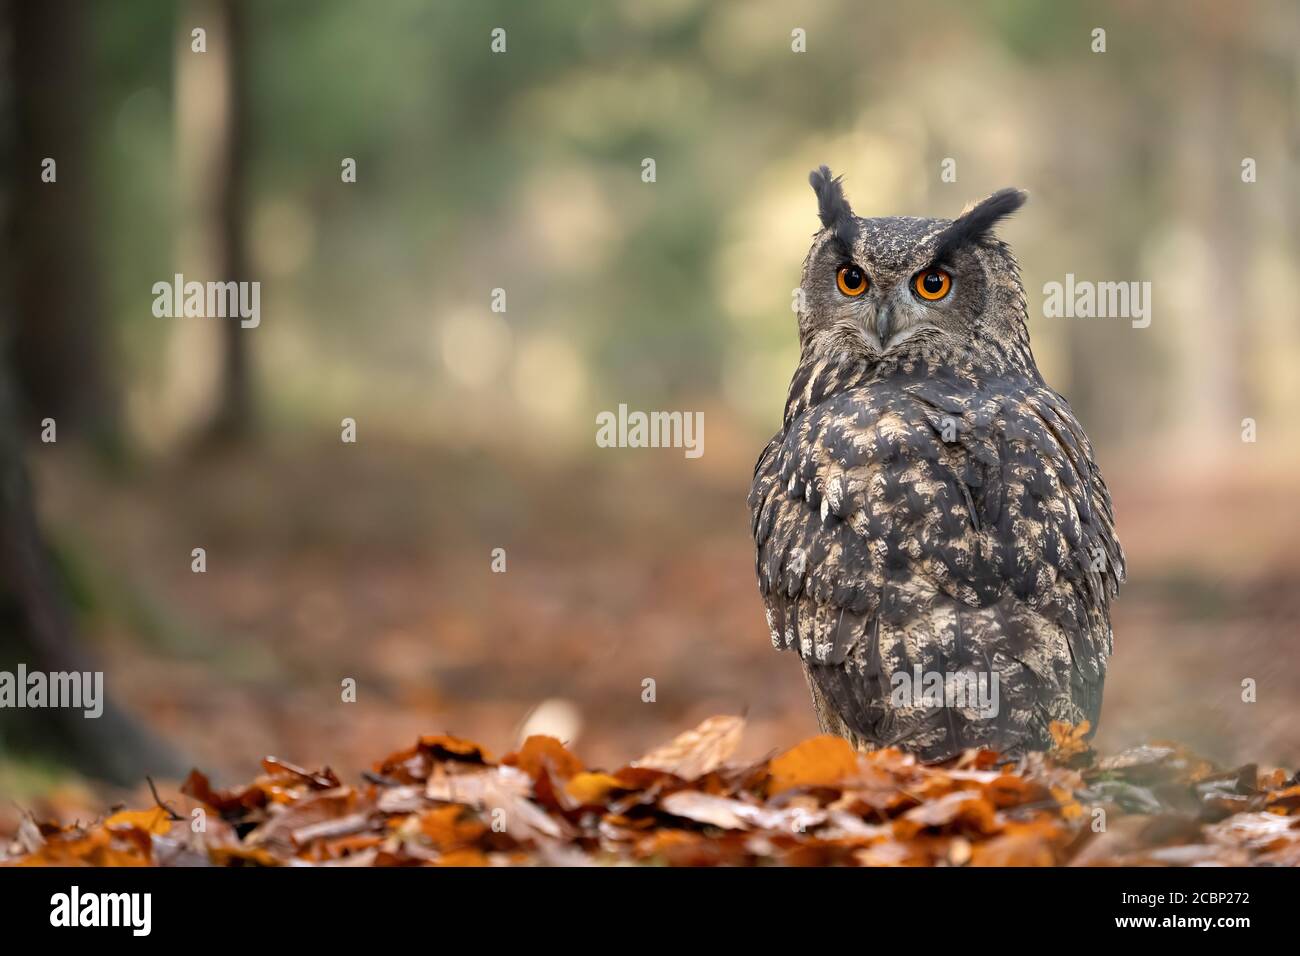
(891, 287)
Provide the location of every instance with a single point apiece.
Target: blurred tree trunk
(234, 415)
(1227, 386)
(36, 630)
(59, 337)
(208, 394)
(50, 322)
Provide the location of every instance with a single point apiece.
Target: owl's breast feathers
(931, 519)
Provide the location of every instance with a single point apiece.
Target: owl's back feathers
(916, 519)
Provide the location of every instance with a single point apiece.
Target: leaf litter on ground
(446, 802)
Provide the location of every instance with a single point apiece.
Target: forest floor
(375, 563)
(445, 801)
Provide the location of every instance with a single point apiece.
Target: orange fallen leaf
(540, 753)
(819, 762)
(243, 856)
(451, 827)
(157, 821)
(1069, 740)
(964, 810)
(462, 858)
(590, 789)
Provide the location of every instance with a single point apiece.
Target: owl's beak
(884, 323)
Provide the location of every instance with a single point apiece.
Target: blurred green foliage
(522, 171)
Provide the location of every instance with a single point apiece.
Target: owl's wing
(945, 528)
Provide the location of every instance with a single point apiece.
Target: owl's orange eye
(932, 285)
(851, 280)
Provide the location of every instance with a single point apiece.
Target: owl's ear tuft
(833, 209)
(979, 220)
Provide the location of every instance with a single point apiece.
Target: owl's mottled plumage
(929, 500)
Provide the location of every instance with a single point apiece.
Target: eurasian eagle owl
(934, 539)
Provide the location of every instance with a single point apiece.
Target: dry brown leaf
(966, 809)
(698, 751)
(1015, 848)
(315, 807)
(819, 762)
(476, 788)
(544, 753)
(728, 813)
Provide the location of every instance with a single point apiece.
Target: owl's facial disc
(899, 317)
(881, 316)
(920, 303)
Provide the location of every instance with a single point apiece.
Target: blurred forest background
(522, 171)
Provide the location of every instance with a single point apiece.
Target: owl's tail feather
(955, 678)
